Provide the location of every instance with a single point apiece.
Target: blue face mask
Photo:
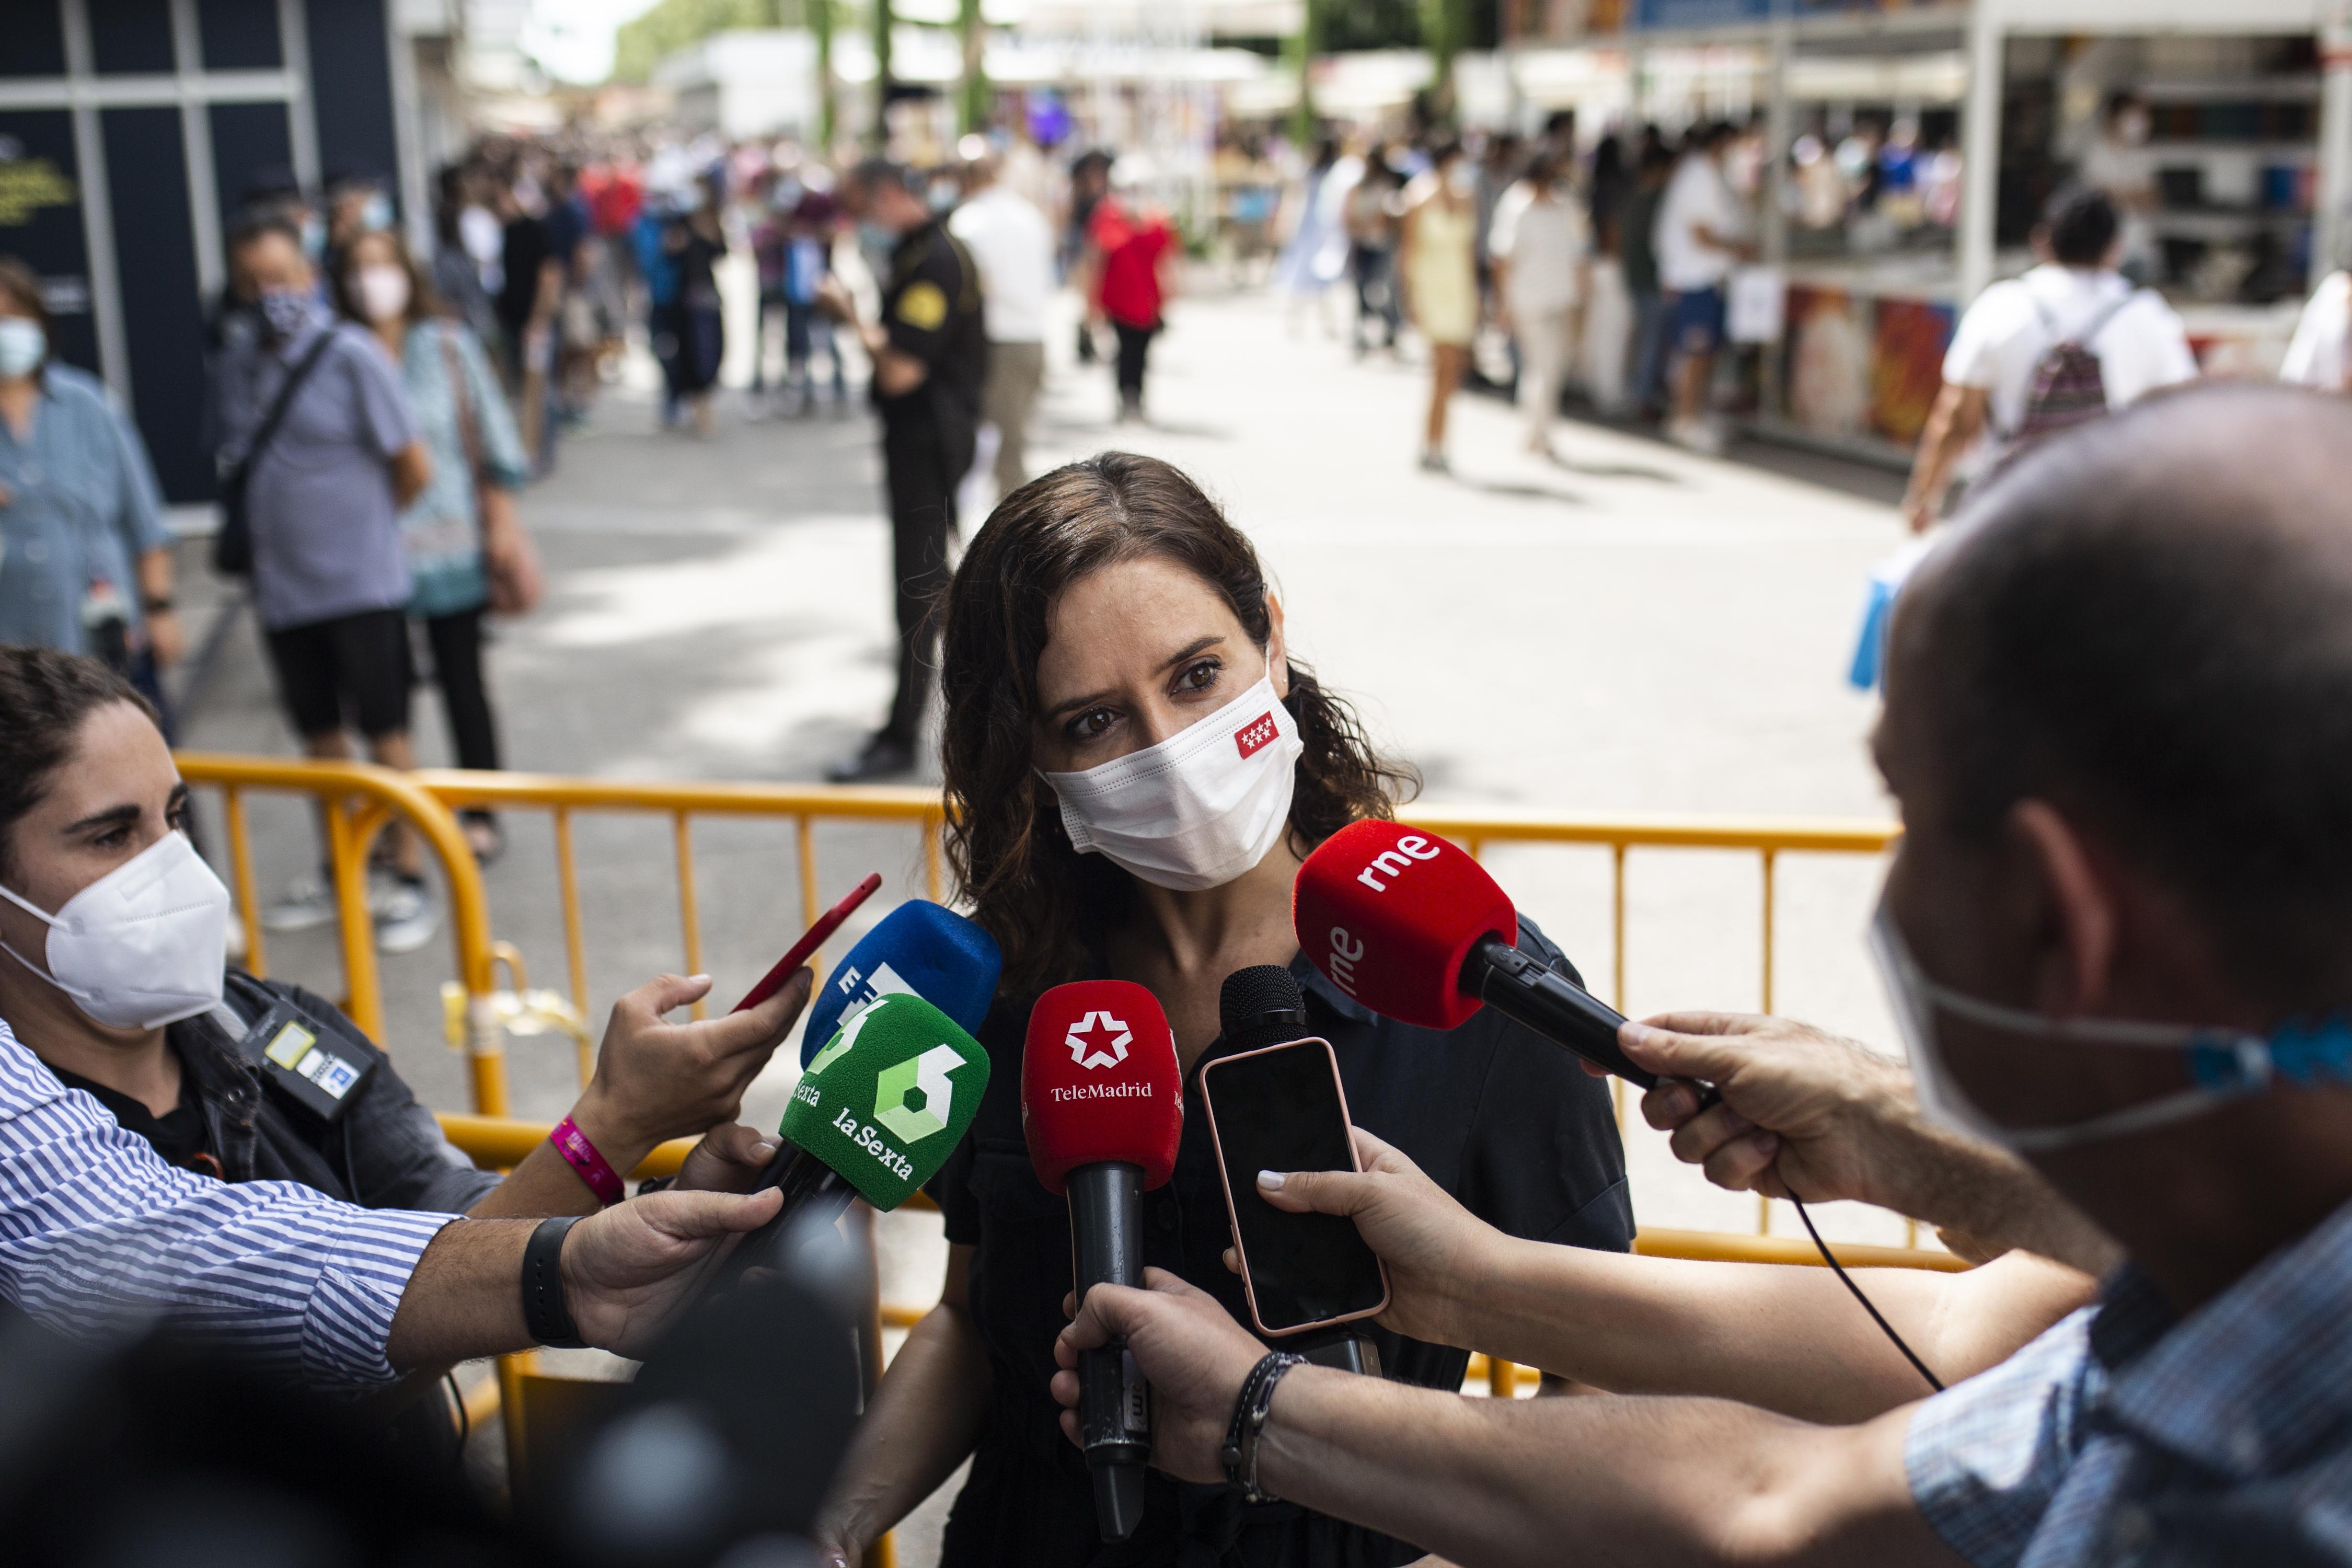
(375, 215)
(23, 346)
(875, 239)
(2225, 1064)
(286, 310)
(314, 237)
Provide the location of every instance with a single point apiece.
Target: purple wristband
(581, 1156)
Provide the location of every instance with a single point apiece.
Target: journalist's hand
(1802, 1107)
(657, 1080)
(728, 1160)
(1193, 1354)
(1436, 1251)
(629, 1270)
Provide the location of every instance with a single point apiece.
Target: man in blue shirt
(2115, 934)
(99, 1236)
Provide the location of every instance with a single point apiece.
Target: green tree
(881, 13)
(1445, 28)
(674, 25)
(973, 108)
(828, 94)
(1300, 48)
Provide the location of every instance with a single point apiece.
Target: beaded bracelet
(1250, 1410)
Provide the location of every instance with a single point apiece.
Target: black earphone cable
(1711, 1095)
(1875, 1316)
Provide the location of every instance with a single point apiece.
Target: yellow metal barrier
(358, 800)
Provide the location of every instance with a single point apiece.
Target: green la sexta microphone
(877, 1112)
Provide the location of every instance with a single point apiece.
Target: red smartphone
(1283, 1109)
(811, 940)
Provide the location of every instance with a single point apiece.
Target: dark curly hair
(45, 697)
(1044, 902)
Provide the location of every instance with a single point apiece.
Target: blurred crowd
(375, 410)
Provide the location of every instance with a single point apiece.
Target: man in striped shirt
(99, 1236)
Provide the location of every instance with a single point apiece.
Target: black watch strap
(546, 1315)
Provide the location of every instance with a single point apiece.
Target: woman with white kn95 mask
(113, 933)
(1135, 769)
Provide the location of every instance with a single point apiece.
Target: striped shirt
(98, 1234)
(2126, 1436)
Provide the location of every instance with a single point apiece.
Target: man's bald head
(2148, 623)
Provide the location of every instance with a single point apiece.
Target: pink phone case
(1249, 1287)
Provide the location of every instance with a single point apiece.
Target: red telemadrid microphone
(1102, 1105)
(1409, 925)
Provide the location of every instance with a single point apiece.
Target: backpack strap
(2099, 323)
(284, 401)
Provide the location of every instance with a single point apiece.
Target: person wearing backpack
(2069, 342)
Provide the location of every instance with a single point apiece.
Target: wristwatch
(546, 1315)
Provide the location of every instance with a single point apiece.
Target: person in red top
(1131, 276)
(615, 195)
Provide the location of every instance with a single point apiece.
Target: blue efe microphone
(917, 947)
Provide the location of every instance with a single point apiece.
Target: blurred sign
(1753, 311)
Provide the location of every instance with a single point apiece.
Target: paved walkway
(1636, 631)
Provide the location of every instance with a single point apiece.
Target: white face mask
(382, 292)
(142, 946)
(2225, 1064)
(1198, 809)
(23, 346)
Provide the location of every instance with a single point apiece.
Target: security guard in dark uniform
(931, 353)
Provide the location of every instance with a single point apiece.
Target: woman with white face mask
(111, 938)
(1135, 769)
(468, 553)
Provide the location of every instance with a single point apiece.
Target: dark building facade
(127, 130)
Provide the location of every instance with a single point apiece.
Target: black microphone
(1102, 1111)
(1260, 1007)
(1256, 1007)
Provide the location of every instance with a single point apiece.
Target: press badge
(310, 1066)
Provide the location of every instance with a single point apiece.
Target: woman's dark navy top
(1507, 1121)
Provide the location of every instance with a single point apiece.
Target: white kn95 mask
(145, 944)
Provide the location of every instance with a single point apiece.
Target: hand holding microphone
(875, 1116)
(918, 951)
(1413, 926)
(1102, 1108)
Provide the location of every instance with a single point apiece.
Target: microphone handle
(813, 1190)
(1114, 1411)
(1527, 990)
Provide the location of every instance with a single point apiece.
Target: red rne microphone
(1411, 926)
(1102, 1106)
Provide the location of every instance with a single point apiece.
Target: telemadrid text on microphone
(1412, 927)
(917, 948)
(1102, 1107)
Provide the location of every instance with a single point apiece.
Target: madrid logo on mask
(1252, 737)
(1099, 1040)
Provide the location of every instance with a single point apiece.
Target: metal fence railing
(358, 800)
